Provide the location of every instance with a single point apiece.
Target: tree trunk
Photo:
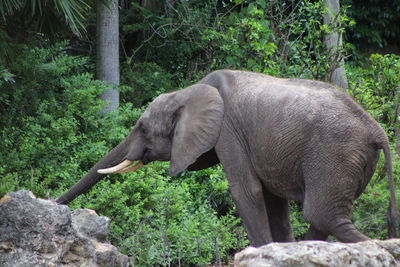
(333, 41)
(396, 121)
(107, 44)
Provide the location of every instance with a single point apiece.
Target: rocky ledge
(38, 232)
(372, 253)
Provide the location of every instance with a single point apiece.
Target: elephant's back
(276, 107)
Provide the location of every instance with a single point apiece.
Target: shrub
(163, 221)
(376, 88)
(60, 133)
(283, 38)
(146, 81)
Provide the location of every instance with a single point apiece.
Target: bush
(52, 127)
(53, 133)
(164, 221)
(146, 81)
(242, 40)
(376, 88)
(283, 38)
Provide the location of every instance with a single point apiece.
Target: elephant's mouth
(146, 156)
(125, 166)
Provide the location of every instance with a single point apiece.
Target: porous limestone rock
(38, 232)
(372, 253)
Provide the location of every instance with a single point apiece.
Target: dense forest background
(53, 129)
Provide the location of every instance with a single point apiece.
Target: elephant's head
(181, 127)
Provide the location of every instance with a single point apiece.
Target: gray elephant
(277, 139)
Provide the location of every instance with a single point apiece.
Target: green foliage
(33, 71)
(146, 81)
(376, 88)
(45, 15)
(30, 22)
(51, 106)
(53, 132)
(163, 221)
(299, 225)
(284, 38)
(300, 34)
(6, 76)
(170, 35)
(377, 23)
(242, 40)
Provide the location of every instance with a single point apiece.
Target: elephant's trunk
(115, 156)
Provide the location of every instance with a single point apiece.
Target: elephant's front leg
(247, 192)
(249, 201)
(279, 218)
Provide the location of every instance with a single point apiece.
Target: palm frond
(7, 7)
(71, 12)
(74, 12)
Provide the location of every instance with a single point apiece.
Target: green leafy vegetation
(52, 130)
(376, 87)
(60, 133)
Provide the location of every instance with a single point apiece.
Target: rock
(372, 253)
(38, 232)
(88, 224)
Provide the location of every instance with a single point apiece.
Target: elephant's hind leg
(328, 219)
(278, 216)
(327, 204)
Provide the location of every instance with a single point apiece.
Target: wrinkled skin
(277, 139)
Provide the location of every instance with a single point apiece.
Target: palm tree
(39, 13)
(49, 16)
(107, 47)
(19, 18)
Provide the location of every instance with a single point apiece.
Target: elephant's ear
(197, 126)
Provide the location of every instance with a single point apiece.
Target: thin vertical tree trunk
(333, 41)
(107, 44)
(396, 121)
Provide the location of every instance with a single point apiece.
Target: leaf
(239, 2)
(7, 76)
(262, 3)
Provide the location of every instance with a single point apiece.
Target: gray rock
(372, 253)
(88, 224)
(38, 232)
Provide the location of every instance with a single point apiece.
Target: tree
(20, 18)
(41, 13)
(107, 44)
(333, 41)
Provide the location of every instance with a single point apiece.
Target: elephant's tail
(393, 216)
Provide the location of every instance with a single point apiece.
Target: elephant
(278, 139)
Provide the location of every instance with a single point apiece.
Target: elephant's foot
(342, 229)
(345, 231)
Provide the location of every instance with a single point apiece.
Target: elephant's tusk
(131, 168)
(116, 168)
